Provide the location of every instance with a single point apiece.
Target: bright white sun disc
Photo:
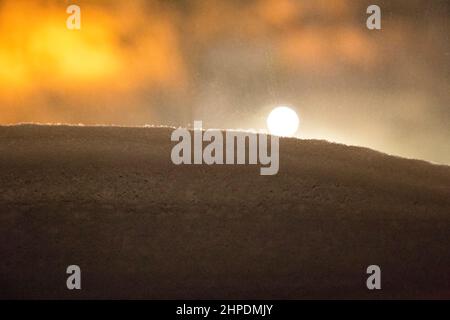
(282, 121)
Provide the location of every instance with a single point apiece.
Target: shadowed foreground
(110, 200)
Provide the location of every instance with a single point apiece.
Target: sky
(229, 62)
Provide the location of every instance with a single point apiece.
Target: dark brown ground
(110, 200)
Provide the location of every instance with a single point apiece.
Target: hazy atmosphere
(228, 63)
(107, 191)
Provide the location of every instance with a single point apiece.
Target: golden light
(37, 47)
(283, 121)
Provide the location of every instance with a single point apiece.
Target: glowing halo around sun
(282, 121)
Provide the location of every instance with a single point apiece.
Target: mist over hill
(110, 200)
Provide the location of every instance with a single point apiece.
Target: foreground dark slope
(110, 200)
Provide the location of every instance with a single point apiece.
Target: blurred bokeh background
(228, 62)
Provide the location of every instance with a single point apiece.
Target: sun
(283, 121)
